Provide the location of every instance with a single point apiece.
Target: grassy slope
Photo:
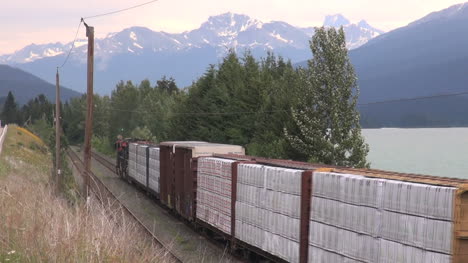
(38, 226)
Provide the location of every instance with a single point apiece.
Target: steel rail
(109, 165)
(98, 187)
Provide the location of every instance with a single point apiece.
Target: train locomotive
(287, 211)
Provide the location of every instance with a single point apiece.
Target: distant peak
(137, 29)
(458, 10)
(231, 22)
(363, 23)
(336, 20)
(234, 15)
(461, 6)
(229, 16)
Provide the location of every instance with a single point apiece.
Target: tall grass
(36, 225)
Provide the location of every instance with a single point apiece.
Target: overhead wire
(94, 16)
(120, 10)
(285, 111)
(239, 112)
(204, 113)
(72, 46)
(414, 98)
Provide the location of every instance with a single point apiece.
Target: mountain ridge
(424, 58)
(138, 53)
(230, 30)
(26, 86)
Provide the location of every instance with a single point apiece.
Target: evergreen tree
(38, 108)
(101, 115)
(193, 117)
(157, 106)
(10, 113)
(327, 119)
(167, 85)
(231, 80)
(278, 89)
(74, 119)
(124, 114)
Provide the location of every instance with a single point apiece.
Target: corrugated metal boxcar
(213, 198)
(132, 160)
(154, 170)
(178, 173)
(142, 162)
(301, 212)
(360, 215)
(142, 168)
(434, 211)
(266, 205)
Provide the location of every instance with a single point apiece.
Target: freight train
(287, 211)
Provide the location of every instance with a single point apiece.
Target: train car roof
(205, 148)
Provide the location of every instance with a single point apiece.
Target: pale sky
(44, 21)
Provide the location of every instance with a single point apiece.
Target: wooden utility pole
(58, 159)
(89, 113)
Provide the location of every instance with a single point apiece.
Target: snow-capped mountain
(357, 34)
(137, 53)
(336, 20)
(33, 52)
(221, 32)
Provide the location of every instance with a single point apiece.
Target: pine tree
(328, 129)
(167, 85)
(278, 87)
(10, 113)
(124, 115)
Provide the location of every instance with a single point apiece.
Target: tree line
(36, 109)
(268, 106)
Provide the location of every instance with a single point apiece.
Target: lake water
(433, 151)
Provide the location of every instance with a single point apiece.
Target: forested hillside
(39, 108)
(2, 101)
(26, 86)
(268, 106)
(240, 101)
(425, 58)
(137, 53)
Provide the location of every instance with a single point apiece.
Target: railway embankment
(39, 225)
(3, 132)
(185, 243)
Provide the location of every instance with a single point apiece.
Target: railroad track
(109, 165)
(106, 197)
(104, 162)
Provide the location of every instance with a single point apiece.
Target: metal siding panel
(179, 172)
(306, 193)
(191, 189)
(214, 184)
(268, 213)
(165, 177)
(171, 180)
(154, 170)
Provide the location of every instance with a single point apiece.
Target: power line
(89, 17)
(121, 10)
(414, 98)
(203, 113)
(73, 45)
(285, 111)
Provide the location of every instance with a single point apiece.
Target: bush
(102, 145)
